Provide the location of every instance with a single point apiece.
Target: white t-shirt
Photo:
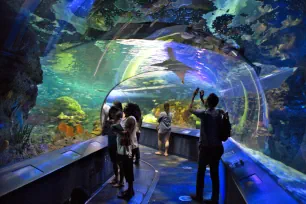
(133, 136)
(165, 123)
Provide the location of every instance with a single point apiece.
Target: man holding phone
(210, 145)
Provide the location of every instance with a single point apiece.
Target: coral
(17, 153)
(67, 108)
(276, 98)
(149, 118)
(97, 130)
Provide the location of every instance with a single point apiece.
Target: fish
(101, 90)
(172, 64)
(69, 131)
(79, 129)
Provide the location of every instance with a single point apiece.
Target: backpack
(225, 126)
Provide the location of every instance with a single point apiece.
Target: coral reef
(288, 119)
(97, 130)
(68, 109)
(149, 118)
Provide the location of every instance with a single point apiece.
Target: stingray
(172, 64)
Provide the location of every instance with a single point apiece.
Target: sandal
(114, 181)
(158, 153)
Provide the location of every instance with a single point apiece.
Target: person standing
(210, 145)
(118, 105)
(164, 129)
(127, 142)
(115, 116)
(104, 114)
(136, 151)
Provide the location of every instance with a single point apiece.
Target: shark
(172, 64)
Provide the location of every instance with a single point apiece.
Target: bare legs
(166, 137)
(159, 142)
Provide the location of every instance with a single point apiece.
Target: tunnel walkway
(158, 180)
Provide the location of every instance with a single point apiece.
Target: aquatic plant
(63, 62)
(22, 137)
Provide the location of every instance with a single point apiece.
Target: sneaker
(118, 185)
(158, 153)
(196, 198)
(136, 162)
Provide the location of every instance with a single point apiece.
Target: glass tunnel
(62, 60)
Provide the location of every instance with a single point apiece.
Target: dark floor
(158, 180)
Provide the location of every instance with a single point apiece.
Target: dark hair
(132, 109)
(112, 111)
(118, 115)
(118, 104)
(166, 105)
(79, 196)
(212, 100)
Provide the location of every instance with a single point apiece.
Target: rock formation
(20, 72)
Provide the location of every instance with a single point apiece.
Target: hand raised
(201, 93)
(196, 92)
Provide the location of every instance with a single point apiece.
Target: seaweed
(22, 136)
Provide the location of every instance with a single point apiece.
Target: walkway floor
(158, 180)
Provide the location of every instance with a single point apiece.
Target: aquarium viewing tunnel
(62, 60)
